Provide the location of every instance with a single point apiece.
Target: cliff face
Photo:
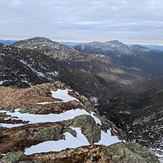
(50, 122)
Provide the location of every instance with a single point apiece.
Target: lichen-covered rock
(11, 157)
(1, 130)
(116, 153)
(60, 85)
(33, 161)
(73, 132)
(47, 134)
(88, 126)
(131, 153)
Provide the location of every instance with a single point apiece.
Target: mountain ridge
(87, 61)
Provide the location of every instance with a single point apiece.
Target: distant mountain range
(71, 43)
(7, 42)
(154, 47)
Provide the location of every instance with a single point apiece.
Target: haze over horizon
(128, 21)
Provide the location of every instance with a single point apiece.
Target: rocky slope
(21, 67)
(129, 152)
(25, 67)
(139, 114)
(59, 124)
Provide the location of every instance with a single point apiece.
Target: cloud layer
(82, 20)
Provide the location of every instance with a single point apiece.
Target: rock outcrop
(53, 112)
(116, 153)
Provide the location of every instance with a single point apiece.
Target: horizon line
(86, 41)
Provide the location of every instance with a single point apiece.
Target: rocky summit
(51, 48)
(53, 123)
(105, 47)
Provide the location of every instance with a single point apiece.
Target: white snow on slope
(44, 103)
(69, 142)
(38, 118)
(98, 121)
(1, 82)
(159, 153)
(107, 139)
(63, 95)
(7, 125)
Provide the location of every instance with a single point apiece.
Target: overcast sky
(134, 21)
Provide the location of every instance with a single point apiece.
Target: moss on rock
(11, 157)
(48, 134)
(131, 153)
(1, 130)
(88, 126)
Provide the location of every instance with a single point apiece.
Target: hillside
(25, 67)
(139, 113)
(50, 127)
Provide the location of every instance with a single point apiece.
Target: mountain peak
(114, 42)
(41, 40)
(105, 48)
(139, 48)
(50, 48)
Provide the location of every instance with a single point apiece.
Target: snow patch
(41, 118)
(2, 54)
(63, 95)
(107, 139)
(94, 100)
(95, 118)
(69, 142)
(25, 81)
(1, 82)
(159, 153)
(7, 125)
(44, 103)
(134, 68)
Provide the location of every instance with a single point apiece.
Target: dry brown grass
(28, 99)
(85, 154)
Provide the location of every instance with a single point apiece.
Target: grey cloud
(82, 20)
